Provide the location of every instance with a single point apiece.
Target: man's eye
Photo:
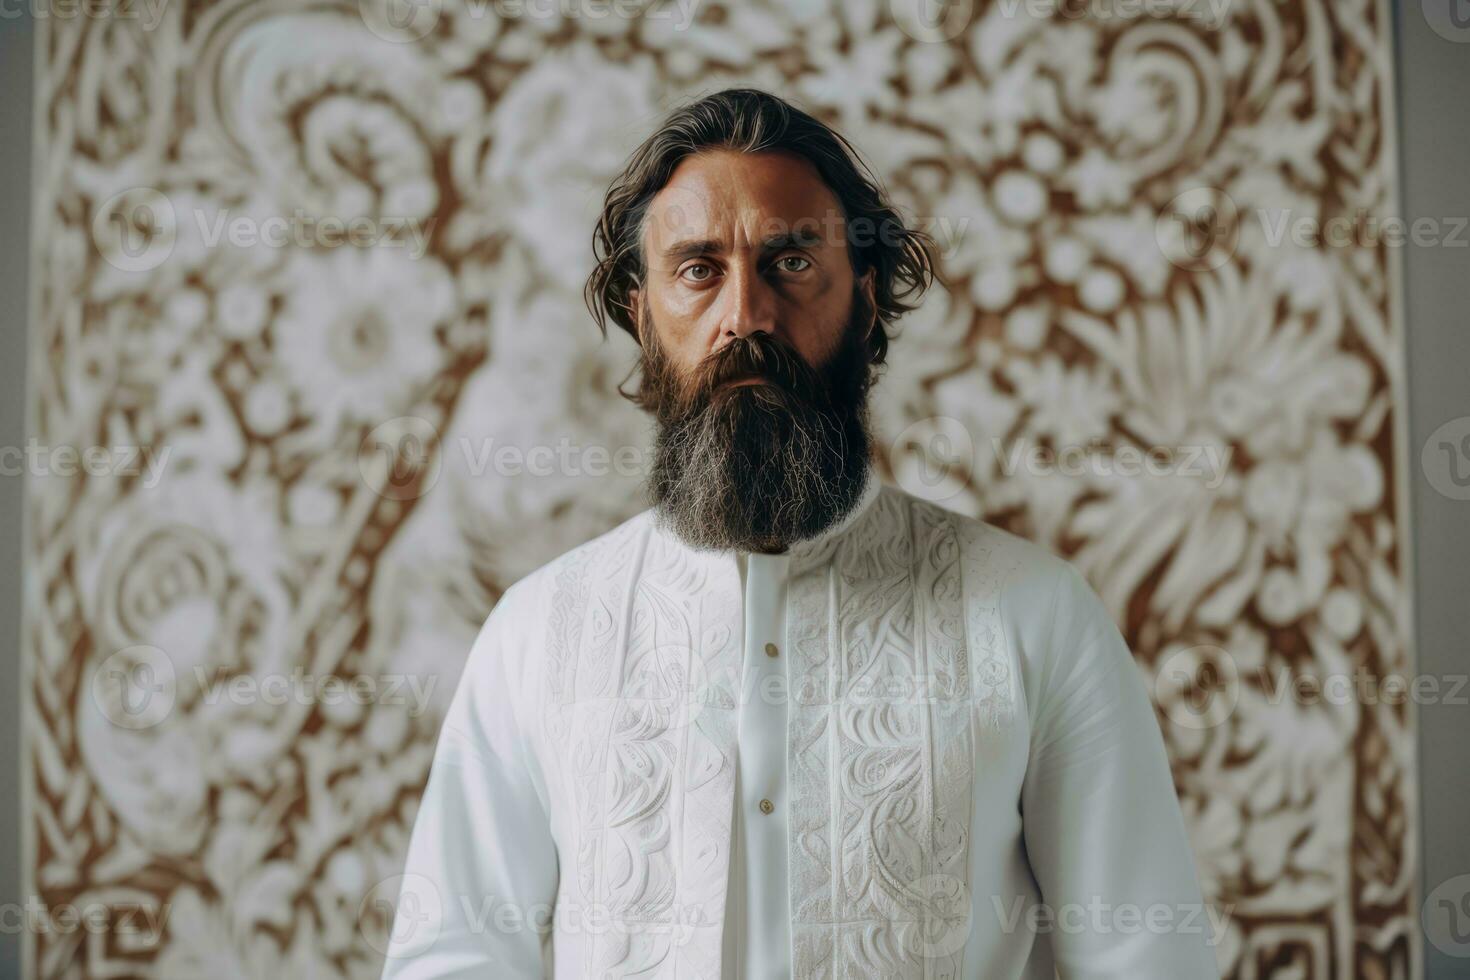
(793, 263)
(697, 272)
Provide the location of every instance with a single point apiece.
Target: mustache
(758, 355)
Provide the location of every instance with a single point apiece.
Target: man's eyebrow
(679, 251)
(796, 238)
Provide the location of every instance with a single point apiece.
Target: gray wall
(16, 90)
(1434, 140)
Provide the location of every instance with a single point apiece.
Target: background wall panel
(322, 459)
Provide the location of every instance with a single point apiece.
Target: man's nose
(749, 305)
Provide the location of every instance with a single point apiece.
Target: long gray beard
(753, 480)
(757, 468)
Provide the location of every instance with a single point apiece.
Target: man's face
(755, 362)
(740, 243)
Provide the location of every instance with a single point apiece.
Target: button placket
(762, 763)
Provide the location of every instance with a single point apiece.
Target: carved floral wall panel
(325, 480)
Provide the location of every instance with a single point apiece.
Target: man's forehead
(741, 200)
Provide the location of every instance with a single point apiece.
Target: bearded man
(790, 721)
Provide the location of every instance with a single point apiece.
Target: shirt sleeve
(480, 880)
(1103, 829)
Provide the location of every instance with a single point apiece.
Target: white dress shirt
(912, 746)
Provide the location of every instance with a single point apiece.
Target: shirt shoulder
(546, 579)
(1043, 600)
(1058, 636)
(534, 622)
(537, 613)
(1020, 570)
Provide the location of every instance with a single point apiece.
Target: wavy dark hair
(751, 121)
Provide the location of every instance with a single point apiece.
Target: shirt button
(771, 650)
(767, 806)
